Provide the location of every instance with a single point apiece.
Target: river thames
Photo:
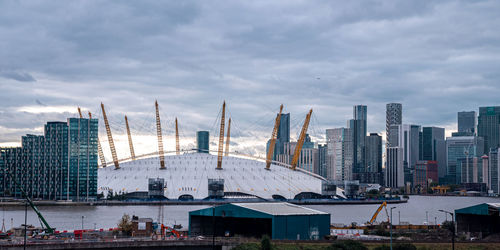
(418, 210)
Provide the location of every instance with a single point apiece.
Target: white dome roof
(188, 174)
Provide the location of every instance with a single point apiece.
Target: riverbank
(197, 202)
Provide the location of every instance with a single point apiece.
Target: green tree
(125, 224)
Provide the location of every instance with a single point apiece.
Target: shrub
(265, 243)
(347, 245)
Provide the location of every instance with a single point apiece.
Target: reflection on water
(67, 218)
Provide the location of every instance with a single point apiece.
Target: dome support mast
(160, 140)
(221, 137)
(110, 138)
(300, 142)
(270, 152)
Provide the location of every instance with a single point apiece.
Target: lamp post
(427, 218)
(453, 231)
(25, 223)
(391, 225)
(213, 224)
(82, 221)
(399, 217)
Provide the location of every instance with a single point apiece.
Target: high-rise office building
(282, 138)
(202, 141)
(425, 173)
(358, 134)
(467, 122)
(488, 127)
(374, 158)
(308, 157)
(340, 156)
(394, 170)
(434, 147)
(494, 178)
(323, 159)
(406, 137)
(61, 165)
(393, 116)
(460, 147)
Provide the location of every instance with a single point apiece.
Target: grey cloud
(18, 76)
(436, 57)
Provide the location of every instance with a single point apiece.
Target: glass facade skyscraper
(282, 138)
(460, 147)
(489, 127)
(467, 122)
(434, 147)
(393, 116)
(202, 141)
(61, 165)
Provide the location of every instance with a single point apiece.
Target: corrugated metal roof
(281, 208)
(497, 205)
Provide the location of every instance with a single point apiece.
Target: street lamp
(427, 218)
(453, 231)
(82, 221)
(391, 225)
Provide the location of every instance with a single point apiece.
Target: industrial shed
(277, 220)
(482, 219)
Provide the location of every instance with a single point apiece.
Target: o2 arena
(199, 175)
(195, 176)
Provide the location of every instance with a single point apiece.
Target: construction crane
(110, 138)
(99, 148)
(48, 229)
(272, 143)
(300, 142)
(130, 144)
(160, 140)
(177, 146)
(228, 137)
(221, 137)
(374, 217)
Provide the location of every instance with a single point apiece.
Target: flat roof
(279, 208)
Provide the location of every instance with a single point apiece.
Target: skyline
(435, 58)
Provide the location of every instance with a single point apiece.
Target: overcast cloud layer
(435, 57)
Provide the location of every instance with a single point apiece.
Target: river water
(416, 211)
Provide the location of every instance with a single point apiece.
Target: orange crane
(177, 146)
(300, 142)
(99, 148)
(160, 140)
(272, 143)
(130, 144)
(110, 138)
(374, 217)
(228, 137)
(221, 136)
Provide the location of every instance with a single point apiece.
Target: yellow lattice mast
(300, 142)
(99, 148)
(130, 144)
(221, 137)
(110, 138)
(177, 145)
(228, 137)
(160, 140)
(272, 143)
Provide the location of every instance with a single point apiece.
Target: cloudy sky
(435, 57)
